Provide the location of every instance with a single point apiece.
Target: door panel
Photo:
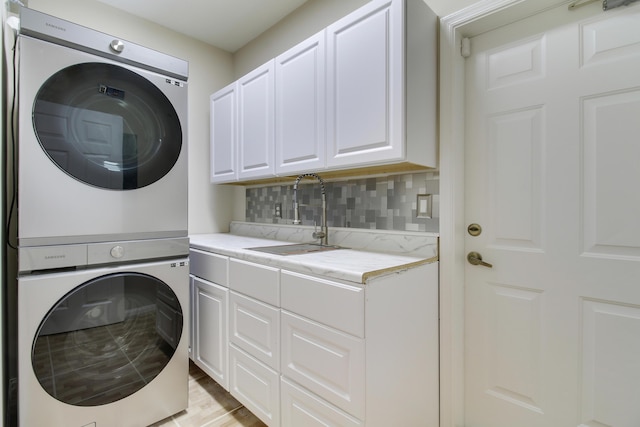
(256, 123)
(514, 174)
(365, 86)
(513, 345)
(611, 128)
(610, 334)
(223, 117)
(300, 107)
(552, 108)
(210, 351)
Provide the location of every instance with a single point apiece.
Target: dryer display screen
(111, 91)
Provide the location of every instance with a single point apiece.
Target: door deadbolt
(474, 229)
(475, 258)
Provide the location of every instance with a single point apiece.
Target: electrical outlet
(424, 206)
(277, 211)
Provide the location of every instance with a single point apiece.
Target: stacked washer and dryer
(102, 229)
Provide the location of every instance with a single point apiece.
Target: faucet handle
(317, 234)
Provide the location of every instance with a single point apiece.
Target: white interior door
(552, 330)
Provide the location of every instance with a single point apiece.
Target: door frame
(480, 17)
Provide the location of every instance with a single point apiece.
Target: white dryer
(104, 346)
(102, 143)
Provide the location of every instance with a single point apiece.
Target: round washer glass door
(107, 126)
(107, 339)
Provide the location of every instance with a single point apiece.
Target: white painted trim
(473, 20)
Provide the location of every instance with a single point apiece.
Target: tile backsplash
(382, 203)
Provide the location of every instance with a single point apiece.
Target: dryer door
(107, 339)
(107, 126)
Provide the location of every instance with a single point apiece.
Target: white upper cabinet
(381, 85)
(255, 123)
(223, 134)
(361, 93)
(300, 107)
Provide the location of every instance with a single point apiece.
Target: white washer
(102, 137)
(103, 346)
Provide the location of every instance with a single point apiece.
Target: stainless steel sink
(295, 249)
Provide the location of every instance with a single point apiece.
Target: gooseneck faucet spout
(323, 234)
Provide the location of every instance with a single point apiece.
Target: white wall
(443, 8)
(308, 19)
(211, 207)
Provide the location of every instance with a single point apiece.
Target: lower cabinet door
(325, 361)
(209, 347)
(255, 385)
(301, 408)
(255, 328)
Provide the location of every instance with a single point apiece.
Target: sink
(295, 249)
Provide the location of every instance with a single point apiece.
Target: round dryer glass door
(107, 339)
(107, 126)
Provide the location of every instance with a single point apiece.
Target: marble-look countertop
(355, 263)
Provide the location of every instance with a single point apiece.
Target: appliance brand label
(55, 256)
(56, 27)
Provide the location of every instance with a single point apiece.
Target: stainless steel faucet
(323, 234)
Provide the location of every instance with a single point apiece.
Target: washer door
(107, 126)
(107, 339)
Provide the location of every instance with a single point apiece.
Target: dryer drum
(106, 339)
(107, 126)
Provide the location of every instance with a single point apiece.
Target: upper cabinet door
(300, 107)
(223, 114)
(365, 86)
(255, 120)
(348, 97)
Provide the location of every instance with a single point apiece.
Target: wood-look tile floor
(210, 406)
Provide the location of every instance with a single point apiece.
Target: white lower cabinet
(254, 335)
(255, 280)
(255, 385)
(327, 362)
(255, 328)
(309, 351)
(328, 302)
(302, 408)
(360, 354)
(209, 314)
(209, 345)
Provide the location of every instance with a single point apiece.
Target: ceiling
(227, 24)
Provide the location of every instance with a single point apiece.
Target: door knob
(475, 258)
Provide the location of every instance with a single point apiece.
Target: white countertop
(354, 265)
